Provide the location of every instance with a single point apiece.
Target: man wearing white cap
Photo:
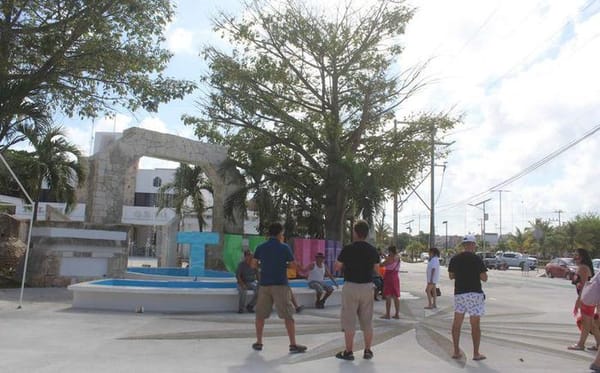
(467, 270)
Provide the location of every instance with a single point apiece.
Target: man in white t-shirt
(433, 277)
(316, 280)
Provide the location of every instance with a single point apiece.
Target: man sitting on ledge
(246, 280)
(316, 280)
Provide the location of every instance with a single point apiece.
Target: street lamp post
(156, 183)
(483, 220)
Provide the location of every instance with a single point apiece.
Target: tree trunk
(335, 200)
(36, 200)
(35, 211)
(334, 216)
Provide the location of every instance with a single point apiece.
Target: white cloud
(524, 74)
(180, 40)
(154, 124)
(81, 137)
(118, 123)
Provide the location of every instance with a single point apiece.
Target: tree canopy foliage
(81, 57)
(542, 238)
(306, 101)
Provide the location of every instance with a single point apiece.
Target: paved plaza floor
(527, 327)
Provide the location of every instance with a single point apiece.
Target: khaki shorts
(357, 302)
(278, 295)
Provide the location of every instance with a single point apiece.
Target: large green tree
(317, 95)
(20, 163)
(81, 57)
(587, 227)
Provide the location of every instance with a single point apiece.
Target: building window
(151, 200)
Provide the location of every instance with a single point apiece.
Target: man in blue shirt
(273, 258)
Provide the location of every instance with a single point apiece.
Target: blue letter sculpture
(197, 242)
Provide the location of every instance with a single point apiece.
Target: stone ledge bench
(93, 295)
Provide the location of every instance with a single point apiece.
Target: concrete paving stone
(527, 327)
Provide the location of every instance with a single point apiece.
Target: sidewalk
(526, 329)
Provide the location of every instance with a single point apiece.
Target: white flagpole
(28, 233)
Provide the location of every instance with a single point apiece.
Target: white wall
(86, 267)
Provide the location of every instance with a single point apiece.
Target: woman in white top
(433, 277)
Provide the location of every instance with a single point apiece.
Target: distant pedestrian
(433, 277)
(377, 285)
(468, 271)
(391, 282)
(358, 260)
(273, 258)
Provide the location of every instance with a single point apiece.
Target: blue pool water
(177, 272)
(188, 284)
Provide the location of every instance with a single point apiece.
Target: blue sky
(523, 73)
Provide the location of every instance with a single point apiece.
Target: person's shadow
(255, 362)
(364, 366)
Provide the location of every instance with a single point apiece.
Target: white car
(424, 256)
(510, 259)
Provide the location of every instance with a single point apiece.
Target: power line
(481, 27)
(534, 51)
(441, 184)
(534, 166)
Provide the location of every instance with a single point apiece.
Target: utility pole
(432, 199)
(409, 228)
(432, 203)
(431, 207)
(558, 212)
(500, 219)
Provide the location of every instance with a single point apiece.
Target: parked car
(561, 267)
(424, 256)
(489, 259)
(510, 259)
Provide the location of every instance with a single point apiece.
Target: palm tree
(188, 184)
(55, 161)
(571, 233)
(33, 111)
(260, 191)
(365, 197)
(383, 234)
(517, 241)
(541, 230)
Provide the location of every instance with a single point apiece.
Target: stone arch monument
(111, 178)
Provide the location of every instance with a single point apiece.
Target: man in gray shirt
(246, 280)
